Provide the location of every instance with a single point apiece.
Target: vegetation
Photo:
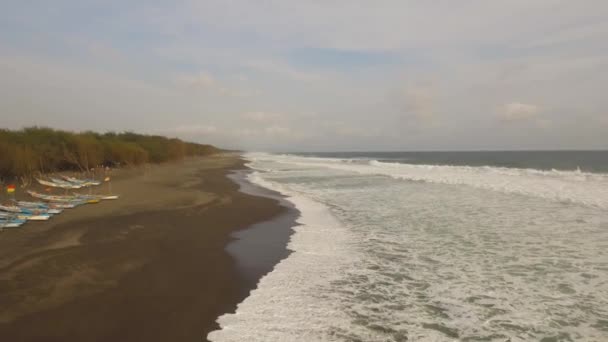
(33, 150)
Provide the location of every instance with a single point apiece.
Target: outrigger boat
(57, 198)
(67, 199)
(12, 209)
(11, 223)
(84, 182)
(25, 216)
(56, 183)
(43, 205)
(11, 219)
(49, 208)
(97, 197)
(68, 182)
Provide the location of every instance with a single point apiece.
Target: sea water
(396, 248)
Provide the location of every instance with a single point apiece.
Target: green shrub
(39, 149)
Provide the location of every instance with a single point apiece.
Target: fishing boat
(11, 219)
(10, 223)
(40, 217)
(58, 184)
(53, 211)
(25, 216)
(57, 198)
(10, 208)
(84, 182)
(44, 205)
(28, 211)
(98, 197)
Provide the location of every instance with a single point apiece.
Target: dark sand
(151, 266)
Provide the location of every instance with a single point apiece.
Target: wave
(287, 304)
(590, 189)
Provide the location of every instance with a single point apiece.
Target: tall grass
(33, 150)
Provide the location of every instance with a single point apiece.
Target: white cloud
(516, 111)
(273, 131)
(206, 82)
(283, 69)
(199, 80)
(262, 116)
(420, 101)
(192, 129)
(393, 24)
(277, 130)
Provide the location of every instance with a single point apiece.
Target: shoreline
(258, 248)
(156, 265)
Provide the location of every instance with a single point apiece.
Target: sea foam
(563, 186)
(289, 304)
(470, 253)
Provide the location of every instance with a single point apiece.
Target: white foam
(564, 186)
(379, 259)
(289, 304)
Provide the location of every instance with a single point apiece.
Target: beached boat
(50, 207)
(61, 184)
(39, 206)
(10, 219)
(10, 223)
(97, 197)
(25, 216)
(57, 198)
(28, 210)
(84, 182)
(10, 208)
(41, 217)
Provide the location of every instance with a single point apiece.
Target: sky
(332, 75)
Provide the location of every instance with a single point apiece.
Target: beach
(150, 266)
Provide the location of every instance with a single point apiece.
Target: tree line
(34, 150)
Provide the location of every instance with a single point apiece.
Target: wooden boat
(10, 208)
(10, 219)
(42, 217)
(84, 182)
(50, 204)
(25, 216)
(55, 184)
(57, 198)
(28, 210)
(99, 197)
(10, 224)
(49, 208)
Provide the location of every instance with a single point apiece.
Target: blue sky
(316, 75)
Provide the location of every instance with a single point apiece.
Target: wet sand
(151, 266)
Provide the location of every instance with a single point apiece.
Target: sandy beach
(151, 266)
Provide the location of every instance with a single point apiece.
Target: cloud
(201, 80)
(516, 112)
(276, 130)
(261, 116)
(283, 69)
(204, 81)
(273, 131)
(191, 129)
(347, 131)
(420, 101)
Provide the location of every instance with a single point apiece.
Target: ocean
(434, 246)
